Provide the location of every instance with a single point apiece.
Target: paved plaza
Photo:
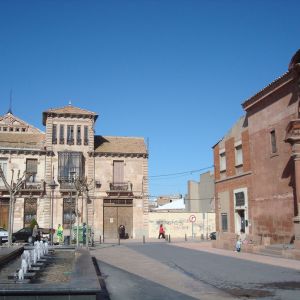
(193, 270)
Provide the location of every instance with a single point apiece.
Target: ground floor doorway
(116, 214)
(240, 221)
(4, 209)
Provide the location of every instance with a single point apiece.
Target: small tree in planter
(33, 223)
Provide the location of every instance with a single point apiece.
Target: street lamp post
(52, 186)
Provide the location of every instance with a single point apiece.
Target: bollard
(169, 238)
(0, 240)
(185, 238)
(100, 239)
(143, 239)
(119, 240)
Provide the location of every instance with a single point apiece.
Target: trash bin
(67, 240)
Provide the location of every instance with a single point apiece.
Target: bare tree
(13, 188)
(82, 186)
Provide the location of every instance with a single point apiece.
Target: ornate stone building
(115, 169)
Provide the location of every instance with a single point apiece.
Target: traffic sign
(192, 218)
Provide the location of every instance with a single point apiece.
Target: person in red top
(161, 232)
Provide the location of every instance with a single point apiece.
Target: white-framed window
(240, 197)
(3, 164)
(238, 155)
(222, 161)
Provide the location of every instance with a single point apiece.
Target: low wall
(178, 224)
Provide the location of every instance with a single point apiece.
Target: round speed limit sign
(192, 218)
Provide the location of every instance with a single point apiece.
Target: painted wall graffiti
(178, 224)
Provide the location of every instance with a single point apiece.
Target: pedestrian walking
(60, 232)
(238, 245)
(84, 234)
(161, 232)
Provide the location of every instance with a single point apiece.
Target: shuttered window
(118, 173)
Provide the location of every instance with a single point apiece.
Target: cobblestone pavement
(186, 269)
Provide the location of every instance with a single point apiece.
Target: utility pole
(13, 188)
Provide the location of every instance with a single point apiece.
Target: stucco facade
(200, 195)
(115, 170)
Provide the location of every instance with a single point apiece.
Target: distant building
(172, 206)
(164, 199)
(200, 195)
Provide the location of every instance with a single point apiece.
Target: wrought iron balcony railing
(121, 186)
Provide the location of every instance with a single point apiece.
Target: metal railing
(121, 186)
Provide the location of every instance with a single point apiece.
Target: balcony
(120, 188)
(67, 183)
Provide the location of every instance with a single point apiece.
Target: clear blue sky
(175, 72)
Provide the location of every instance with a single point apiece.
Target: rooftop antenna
(10, 103)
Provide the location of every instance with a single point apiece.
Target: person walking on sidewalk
(161, 232)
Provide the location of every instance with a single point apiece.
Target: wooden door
(114, 216)
(4, 209)
(110, 219)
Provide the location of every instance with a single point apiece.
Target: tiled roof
(69, 110)
(267, 89)
(123, 145)
(22, 140)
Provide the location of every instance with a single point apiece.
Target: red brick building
(270, 139)
(232, 180)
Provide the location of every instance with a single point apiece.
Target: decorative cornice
(114, 154)
(26, 151)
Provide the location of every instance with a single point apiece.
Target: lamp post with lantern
(52, 186)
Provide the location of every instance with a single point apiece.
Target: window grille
(239, 199)
(70, 166)
(30, 208)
